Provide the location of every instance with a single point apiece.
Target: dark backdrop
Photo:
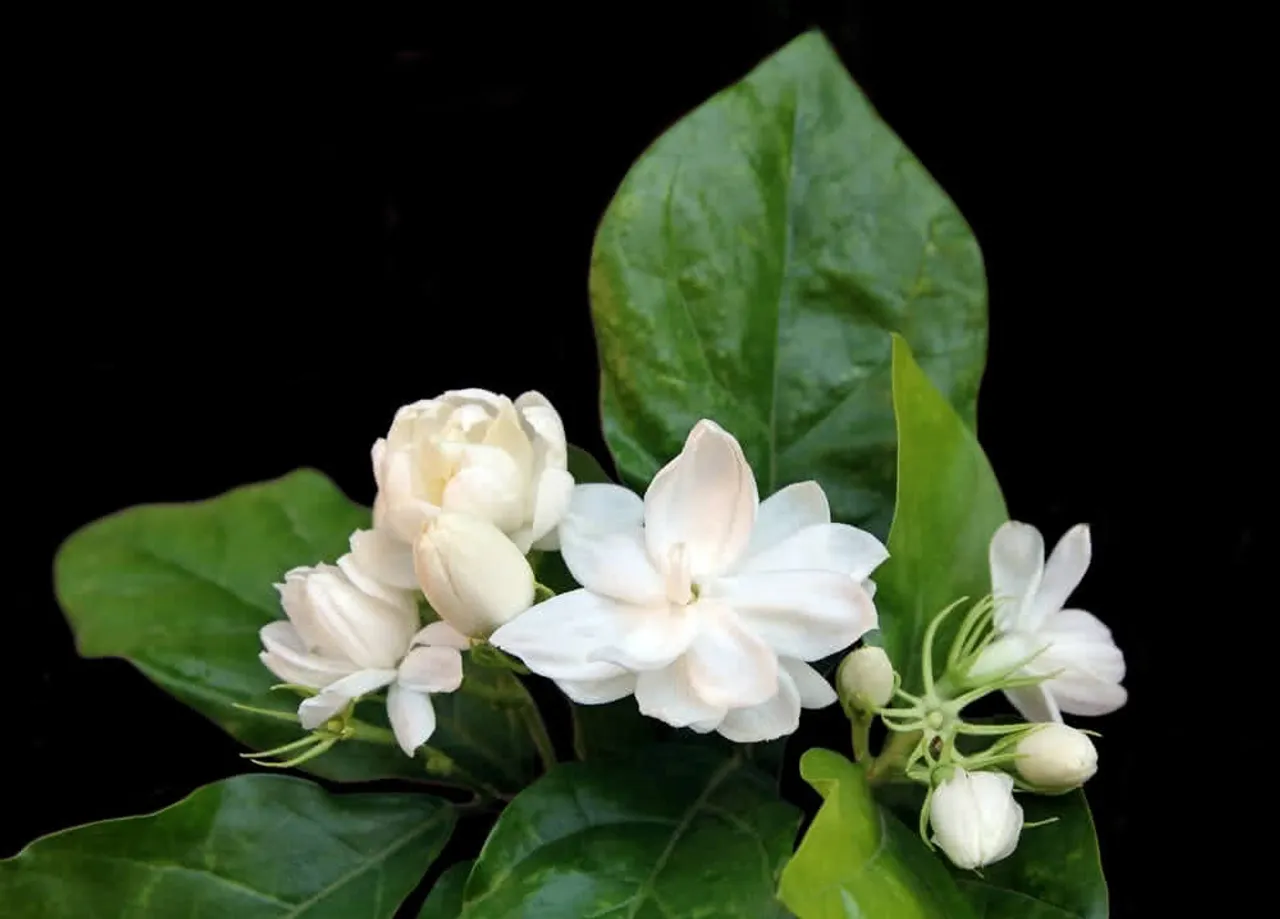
(251, 252)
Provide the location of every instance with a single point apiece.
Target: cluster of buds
(969, 800)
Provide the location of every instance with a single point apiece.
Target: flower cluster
(1047, 660)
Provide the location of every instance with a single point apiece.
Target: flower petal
(287, 657)
(412, 717)
(1017, 564)
(431, 670)
(776, 717)
(598, 692)
(1035, 703)
(555, 487)
(729, 666)
(1081, 695)
(378, 556)
(801, 614)
(785, 512)
(654, 638)
(814, 690)
(441, 635)
(613, 564)
(545, 427)
(556, 638)
(705, 498)
(333, 698)
(602, 507)
(488, 484)
(1080, 641)
(822, 547)
(668, 695)
(1062, 575)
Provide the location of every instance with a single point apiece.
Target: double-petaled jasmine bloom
(701, 600)
(347, 635)
(1071, 645)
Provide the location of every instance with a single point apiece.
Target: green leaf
(675, 831)
(858, 860)
(252, 847)
(182, 590)
(750, 269)
(1055, 873)
(613, 729)
(445, 899)
(585, 468)
(949, 505)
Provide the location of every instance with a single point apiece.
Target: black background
(249, 252)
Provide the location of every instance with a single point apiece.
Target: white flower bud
(975, 819)
(1057, 757)
(865, 678)
(474, 452)
(472, 574)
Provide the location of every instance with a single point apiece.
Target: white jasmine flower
(472, 574)
(700, 601)
(975, 818)
(1030, 618)
(471, 452)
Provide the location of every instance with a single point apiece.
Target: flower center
(680, 587)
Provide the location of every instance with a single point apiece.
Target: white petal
(508, 435)
(555, 487)
(489, 484)
(473, 575)
(667, 695)
(774, 718)
(368, 630)
(1088, 697)
(546, 428)
(412, 717)
(556, 638)
(1017, 564)
(822, 547)
(801, 614)
(729, 666)
(379, 556)
(1081, 641)
(287, 657)
(601, 507)
(1035, 703)
(333, 698)
(654, 638)
(814, 690)
(441, 635)
(403, 511)
(705, 498)
(614, 564)
(1062, 575)
(597, 692)
(431, 670)
(378, 455)
(785, 512)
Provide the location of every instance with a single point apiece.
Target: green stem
(892, 757)
(861, 725)
(371, 733)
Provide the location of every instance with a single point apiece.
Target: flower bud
(474, 577)
(865, 678)
(975, 819)
(1057, 757)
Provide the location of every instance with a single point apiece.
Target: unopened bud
(1057, 757)
(865, 679)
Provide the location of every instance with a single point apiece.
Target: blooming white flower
(347, 634)
(866, 678)
(700, 600)
(473, 452)
(1056, 757)
(975, 818)
(472, 574)
(1029, 595)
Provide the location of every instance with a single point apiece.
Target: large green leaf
(949, 505)
(675, 831)
(445, 899)
(750, 269)
(1055, 873)
(252, 847)
(858, 860)
(182, 590)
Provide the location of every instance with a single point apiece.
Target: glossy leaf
(750, 269)
(1055, 873)
(182, 590)
(674, 831)
(949, 505)
(585, 468)
(857, 859)
(252, 847)
(445, 899)
(613, 729)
